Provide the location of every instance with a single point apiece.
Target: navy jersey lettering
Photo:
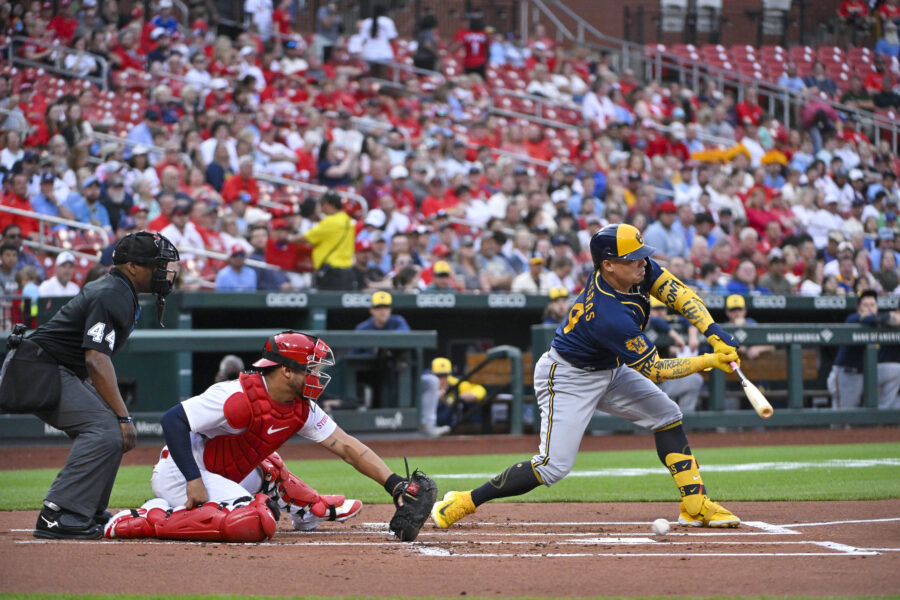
(605, 328)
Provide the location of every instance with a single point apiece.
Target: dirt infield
(782, 549)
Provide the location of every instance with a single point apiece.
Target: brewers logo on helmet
(619, 241)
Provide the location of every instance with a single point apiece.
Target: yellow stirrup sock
(686, 474)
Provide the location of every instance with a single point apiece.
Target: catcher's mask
(144, 248)
(303, 353)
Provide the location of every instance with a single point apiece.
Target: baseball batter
(601, 359)
(219, 477)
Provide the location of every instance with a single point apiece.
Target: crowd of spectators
(445, 194)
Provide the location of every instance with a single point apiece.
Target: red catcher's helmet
(300, 352)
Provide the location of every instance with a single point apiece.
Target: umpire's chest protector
(267, 426)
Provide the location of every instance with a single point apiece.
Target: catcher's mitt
(419, 493)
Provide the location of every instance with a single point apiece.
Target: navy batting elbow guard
(716, 329)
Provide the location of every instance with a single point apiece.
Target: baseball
(660, 527)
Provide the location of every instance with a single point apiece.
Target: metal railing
(102, 81)
(43, 220)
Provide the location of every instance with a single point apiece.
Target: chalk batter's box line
(439, 548)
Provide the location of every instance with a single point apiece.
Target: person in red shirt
(17, 198)
(280, 252)
(406, 202)
(889, 11)
(476, 43)
(242, 181)
(64, 24)
(536, 145)
(281, 18)
(166, 202)
(874, 78)
(437, 200)
(749, 108)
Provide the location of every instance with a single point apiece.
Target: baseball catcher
(219, 478)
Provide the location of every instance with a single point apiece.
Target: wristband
(128, 419)
(391, 484)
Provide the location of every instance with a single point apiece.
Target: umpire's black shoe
(55, 523)
(102, 518)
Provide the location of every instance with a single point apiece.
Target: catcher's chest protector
(268, 425)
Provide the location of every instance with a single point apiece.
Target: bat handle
(734, 367)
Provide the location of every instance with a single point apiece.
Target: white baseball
(660, 527)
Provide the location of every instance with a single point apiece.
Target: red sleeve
(231, 189)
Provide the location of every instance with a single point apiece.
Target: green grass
(24, 490)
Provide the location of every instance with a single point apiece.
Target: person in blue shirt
(385, 361)
(845, 382)
(743, 280)
(558, 307)
(86, 207)
(235, 277)
(601, 359)
(381, 318)
(44, 202)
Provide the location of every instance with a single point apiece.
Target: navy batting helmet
(619, 241)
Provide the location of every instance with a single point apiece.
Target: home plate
(612, 540)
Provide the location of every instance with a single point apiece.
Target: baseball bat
(756, 398)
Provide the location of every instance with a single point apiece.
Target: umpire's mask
(146, 248)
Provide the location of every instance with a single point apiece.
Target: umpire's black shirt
(100, 317)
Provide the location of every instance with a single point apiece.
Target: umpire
(63, 374)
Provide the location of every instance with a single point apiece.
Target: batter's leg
(566, 397)
(635, 398)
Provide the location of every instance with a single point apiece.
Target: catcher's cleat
(308, 521)
(712, 514)
(452, 508)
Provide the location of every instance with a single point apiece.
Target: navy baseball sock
(514, 481)
(671, 439)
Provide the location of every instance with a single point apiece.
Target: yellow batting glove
(721, 360)
(719, 346)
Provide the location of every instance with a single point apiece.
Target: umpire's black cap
(141, 248)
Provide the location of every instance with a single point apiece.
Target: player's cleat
(452, 508)
(308, 521)
(434, 431)
(55, 523)
(712, 514)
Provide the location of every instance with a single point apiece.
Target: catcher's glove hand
(413, 497)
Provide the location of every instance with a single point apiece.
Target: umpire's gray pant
(85, 482)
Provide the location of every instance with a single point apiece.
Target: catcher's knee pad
(686, 474)
(253, 522)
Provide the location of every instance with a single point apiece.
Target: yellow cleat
(712, 514)
(452, 508)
